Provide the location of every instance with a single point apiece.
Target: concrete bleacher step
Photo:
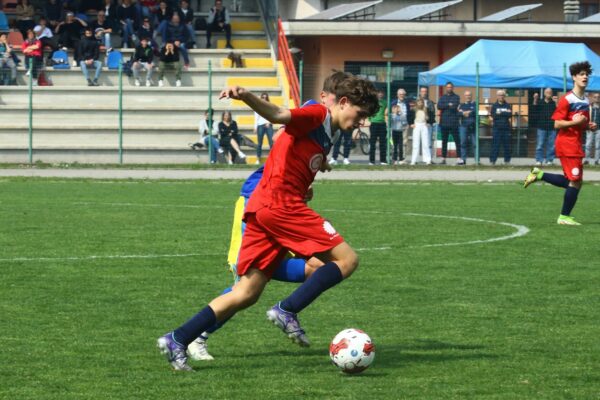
(244, 43)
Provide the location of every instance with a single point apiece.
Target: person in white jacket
(203, 129)
(420, 134)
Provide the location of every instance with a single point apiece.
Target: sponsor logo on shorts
(575, 171)
(315, 162)
(329, 228)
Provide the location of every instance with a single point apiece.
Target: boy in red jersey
(278, 219)
(571, 118)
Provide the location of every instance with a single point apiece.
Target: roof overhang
(435, 28)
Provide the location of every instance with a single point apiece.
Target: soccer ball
(352, 351)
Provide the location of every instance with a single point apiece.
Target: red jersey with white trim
(294, 160)
(569, 141)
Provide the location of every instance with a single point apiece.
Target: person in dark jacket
(146, 30)
(186, 15)
(126, 14)
(89, 54)
(218, 21)
(546, 134)
(163, 15)
(103, 30)
(69, 34)
(466, 111)
(143, 58)
(110, 12)
(169, 59)
(176, 33)
(501, 115)
(448, 107)
(401, 120)
(53, 11)
(229, 138)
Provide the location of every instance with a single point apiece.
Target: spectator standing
(174, 32)
(204, 129)
(229, 138)
(378, 131)
(143, 58)
(546, 134)
(430, 110)
(69, 34)
(169, 60)
(25, 13)
(421, 134)
(53, 11)
(218, 21)
(89, 56)
(102, 29)
(500, 116)
(44, 35)
(186, 16)
(262, 127)
(126, 15)
(592, 137)
(448, 107)
(6, 60)
(344, 138)
(400, 124)
(32, 50)
(467, 114)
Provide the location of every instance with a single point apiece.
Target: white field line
(520, 230)
(86, 203)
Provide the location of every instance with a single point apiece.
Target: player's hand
(232, 92)
(325, 167)
(593, 126)
(580, 119)
(309, 195)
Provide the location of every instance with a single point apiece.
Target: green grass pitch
(512, 319)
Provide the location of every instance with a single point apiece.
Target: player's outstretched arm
(269, 111)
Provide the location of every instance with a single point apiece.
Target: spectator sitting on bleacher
(7, 61)
(147, 9)
(69, 34)
(169, 59)
(203, 129)
(175, 32)
(89, 56)
(229, 137)
(25, 13)
(44, 35)
(143, 58)
(186, 16)
(126, 15)
(102, 30)
(146, 30)
(218, 21)
(110, 13)
(53, 13)
(164, 13)
(85, 5)
(32, 50)
(3, 20)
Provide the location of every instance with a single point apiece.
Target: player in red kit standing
(278, 219)
(571, 118)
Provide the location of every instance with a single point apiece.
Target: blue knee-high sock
(555, 179)
(324, 278)
(290, 270)
(219, 324)
(570, 199)
(199, 323)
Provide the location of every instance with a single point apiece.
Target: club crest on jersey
(315, 162)
(575, 171)
(327, 227)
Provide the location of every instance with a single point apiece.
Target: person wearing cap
(89, 54)
(143, 58)
(69, 34)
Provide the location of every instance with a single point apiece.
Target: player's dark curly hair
(332, 80)
(360, 92)
(578, 67)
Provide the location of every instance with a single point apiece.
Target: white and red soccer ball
(352, 351)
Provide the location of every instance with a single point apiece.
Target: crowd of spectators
(168, 27)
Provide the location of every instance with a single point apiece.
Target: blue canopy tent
(513, 64)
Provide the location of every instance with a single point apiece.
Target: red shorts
(572, 168)
(271, 233)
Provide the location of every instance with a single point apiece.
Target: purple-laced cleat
(174, 352)
(289, 324)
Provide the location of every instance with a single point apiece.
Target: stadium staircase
(75, 123)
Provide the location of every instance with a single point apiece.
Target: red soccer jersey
(569, 141)
(295, 159)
